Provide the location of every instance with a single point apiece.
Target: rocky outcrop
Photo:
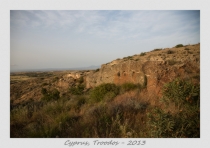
(74, 75)
(128, 71)
(154, 69)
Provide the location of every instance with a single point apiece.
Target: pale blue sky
(66, 39)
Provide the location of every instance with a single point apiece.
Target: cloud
(120, 25)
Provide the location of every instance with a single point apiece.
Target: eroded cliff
(152, 69)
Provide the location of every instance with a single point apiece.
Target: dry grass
(124, 116)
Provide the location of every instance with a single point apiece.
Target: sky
(78, 38)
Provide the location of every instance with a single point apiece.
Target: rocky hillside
(123, 99)
(152, 68)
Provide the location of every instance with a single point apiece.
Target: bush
(142, 54)
(98, 93)
(128, 58)
(77, 90)
(184, 120)
(50, 95)
(157, 49)
(181, 91)
(129, 86)
(55, 94)
(78, 102)
(179, 45)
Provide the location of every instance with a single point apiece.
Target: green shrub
(179, 45)
(78, 102)
(160, 124)
(129, 86)
(55, 94)
(186, 49)
(179, 90)
(98, 93)
(50, 95)
(157, 49)
(142, 54)
(109, 96)
(77, 90)
(81, 101)
(128, 58)
(183, 121)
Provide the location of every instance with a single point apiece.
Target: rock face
(74, 75)
(155, 68)
(128, 71)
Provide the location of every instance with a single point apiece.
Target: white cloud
(105, 24)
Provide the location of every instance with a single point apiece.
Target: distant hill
(92, 67)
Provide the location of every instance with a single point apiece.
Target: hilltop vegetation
(163, 103)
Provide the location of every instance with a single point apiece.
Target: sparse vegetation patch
(179, 45)
(142, 54)
(99, 92)
(158, 49)
(50, 95)
(77, 90)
